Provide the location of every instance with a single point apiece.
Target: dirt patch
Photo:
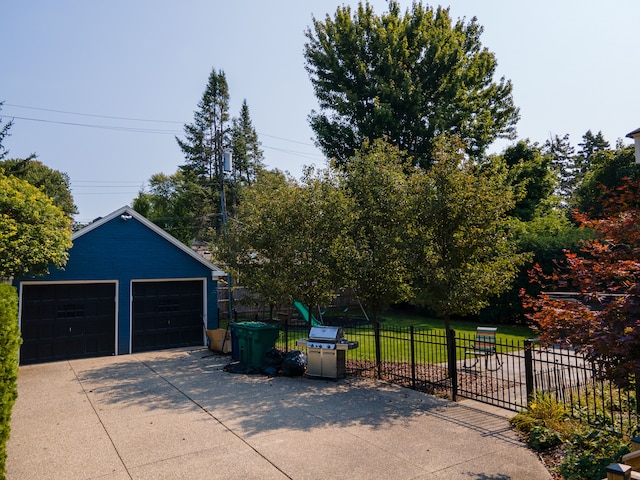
(430, 378)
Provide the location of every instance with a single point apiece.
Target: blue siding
(128, 250)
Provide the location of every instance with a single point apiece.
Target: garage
(62, 321)
(128, 286)
(167, 314)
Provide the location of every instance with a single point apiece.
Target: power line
(92, 114)
(103, 127)
(172, 132)
(285, 139)
(134, 182)
(75, 194)
(308, 155)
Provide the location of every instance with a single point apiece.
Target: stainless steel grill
(326, 351)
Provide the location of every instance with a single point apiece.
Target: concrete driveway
(177, 415)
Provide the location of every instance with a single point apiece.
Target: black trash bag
(237, 367)
(270, 371)
(294, 364)
(273, 358)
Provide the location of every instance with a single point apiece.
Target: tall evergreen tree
(563, 163)
(592, 144)
(589, 148)
(248, 157)
(205, 141)
(4, 133)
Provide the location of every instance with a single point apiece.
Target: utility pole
(225, 161)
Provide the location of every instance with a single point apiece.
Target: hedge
(9, 348)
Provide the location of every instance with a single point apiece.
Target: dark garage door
(66, 321)
(167, 315)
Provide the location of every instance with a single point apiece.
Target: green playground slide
(304, 311)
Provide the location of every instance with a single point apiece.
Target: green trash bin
(255, 339)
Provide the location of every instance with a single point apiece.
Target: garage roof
(127, 212)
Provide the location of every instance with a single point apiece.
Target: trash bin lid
(259, 326)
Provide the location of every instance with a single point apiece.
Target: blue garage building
(128, 286)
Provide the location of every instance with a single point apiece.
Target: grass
(405, 319)
(429, 338)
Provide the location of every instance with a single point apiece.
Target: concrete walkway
(177, 415)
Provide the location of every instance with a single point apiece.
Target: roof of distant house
(634, 133)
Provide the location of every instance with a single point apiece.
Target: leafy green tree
(34, 233)
(463, 252)
(546, 237)
(284, 241)
(319, 218)
(169, 203)
(539, 226)
(607, 168)
(53, 183)
(376, 259)
(532, 178)
(254, 235)
(406, 78)
(205, 141)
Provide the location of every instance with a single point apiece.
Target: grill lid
(326, 334)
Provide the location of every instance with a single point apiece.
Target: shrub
(546, 422)
(590, 451)
(9, 345)
(587, 448)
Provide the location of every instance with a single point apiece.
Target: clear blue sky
(574, 65)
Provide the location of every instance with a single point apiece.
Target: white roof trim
(633, 134)
(127, 210)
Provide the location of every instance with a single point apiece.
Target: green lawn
(429, 342)
(405, 319)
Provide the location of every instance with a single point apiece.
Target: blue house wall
(123, 250)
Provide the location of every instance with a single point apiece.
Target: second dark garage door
(167, 314)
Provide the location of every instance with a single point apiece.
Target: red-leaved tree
(592, 300)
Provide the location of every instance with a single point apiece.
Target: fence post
(453, 367)
(528, 367)
(286, 335)
(637, 378)
(413, 359)
(376, 338)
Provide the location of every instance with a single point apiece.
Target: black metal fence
(509, 377)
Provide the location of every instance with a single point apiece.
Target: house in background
(128, 287)
(635, 135)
